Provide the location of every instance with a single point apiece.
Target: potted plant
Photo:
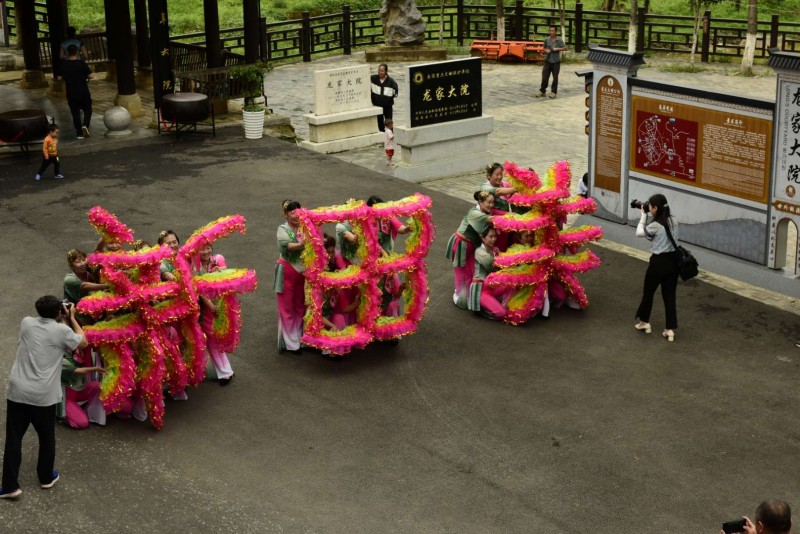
(250, 78)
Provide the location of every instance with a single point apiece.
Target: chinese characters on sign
(340, 90)
(786, 173)
(163, 79)
(608, 134)
(446, 91)
(787, 153)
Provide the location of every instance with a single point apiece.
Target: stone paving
(527, 130)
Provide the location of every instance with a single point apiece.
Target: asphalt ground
(575, 424)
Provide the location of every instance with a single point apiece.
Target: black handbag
(687, 263)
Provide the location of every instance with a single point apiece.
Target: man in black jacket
(76, 73)
(384, 89)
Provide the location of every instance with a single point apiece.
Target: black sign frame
(445, 91)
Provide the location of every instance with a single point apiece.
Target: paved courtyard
(570, 425)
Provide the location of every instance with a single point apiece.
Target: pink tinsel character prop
(149, 335)
(555, 258)
(373, 265)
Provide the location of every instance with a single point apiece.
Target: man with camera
(34, 388)
(772, 517)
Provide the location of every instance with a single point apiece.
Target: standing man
(384, 89)
(76, 74)
(553, 46)
(34, 389)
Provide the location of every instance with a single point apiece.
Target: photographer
(34, 388)
(772, 517)
(655, 225)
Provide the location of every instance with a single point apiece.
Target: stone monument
(343, 117)
(447, 132)
(403, 35)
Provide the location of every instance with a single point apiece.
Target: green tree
(698, 7)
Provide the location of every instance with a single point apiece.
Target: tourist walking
(76, 74)
(50, 153)
(553, 46)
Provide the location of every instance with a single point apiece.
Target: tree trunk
(695, 6)
(501, 20)
(633, 27)
(752, 35)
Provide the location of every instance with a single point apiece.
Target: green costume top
(473, 224)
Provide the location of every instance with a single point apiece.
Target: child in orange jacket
(50, 153)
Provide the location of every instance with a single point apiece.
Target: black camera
(638, 204)
(731, 527)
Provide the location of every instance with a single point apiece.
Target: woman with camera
(656, 225)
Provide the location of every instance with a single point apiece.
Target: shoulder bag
(687, 263)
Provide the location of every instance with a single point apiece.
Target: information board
(720, 150)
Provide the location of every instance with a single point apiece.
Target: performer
(490, 301)
(462, 244)
(497, 186)
(289, 281)
(205, 261)
(78, 390)
(169, 238)
(391, 286)
(347, 242)
(341, 304)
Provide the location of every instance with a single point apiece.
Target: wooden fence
(307, 37)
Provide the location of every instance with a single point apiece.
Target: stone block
(341, 145)
(117, 120)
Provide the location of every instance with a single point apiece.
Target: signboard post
(785, 198)
(447, 133)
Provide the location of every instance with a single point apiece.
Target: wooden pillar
(57, 26)
(213, 42)
(252, 12)
(126, 77)
(144, 77)
(110, 9)
(27, 32)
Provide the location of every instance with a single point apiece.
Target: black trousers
(550, 68)
(387, 114)
(76, 105)
(46, 163)
(19, 417)
(663, 271)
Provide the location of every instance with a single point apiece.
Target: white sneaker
(38, 177)
(85, 131)
(59, 176)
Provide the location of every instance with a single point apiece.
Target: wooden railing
(94, 43)
(309, 37)
(216, 83)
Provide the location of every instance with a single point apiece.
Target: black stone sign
(446, 91)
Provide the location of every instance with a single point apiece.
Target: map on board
(666, 145)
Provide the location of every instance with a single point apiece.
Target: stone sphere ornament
(117, 121)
